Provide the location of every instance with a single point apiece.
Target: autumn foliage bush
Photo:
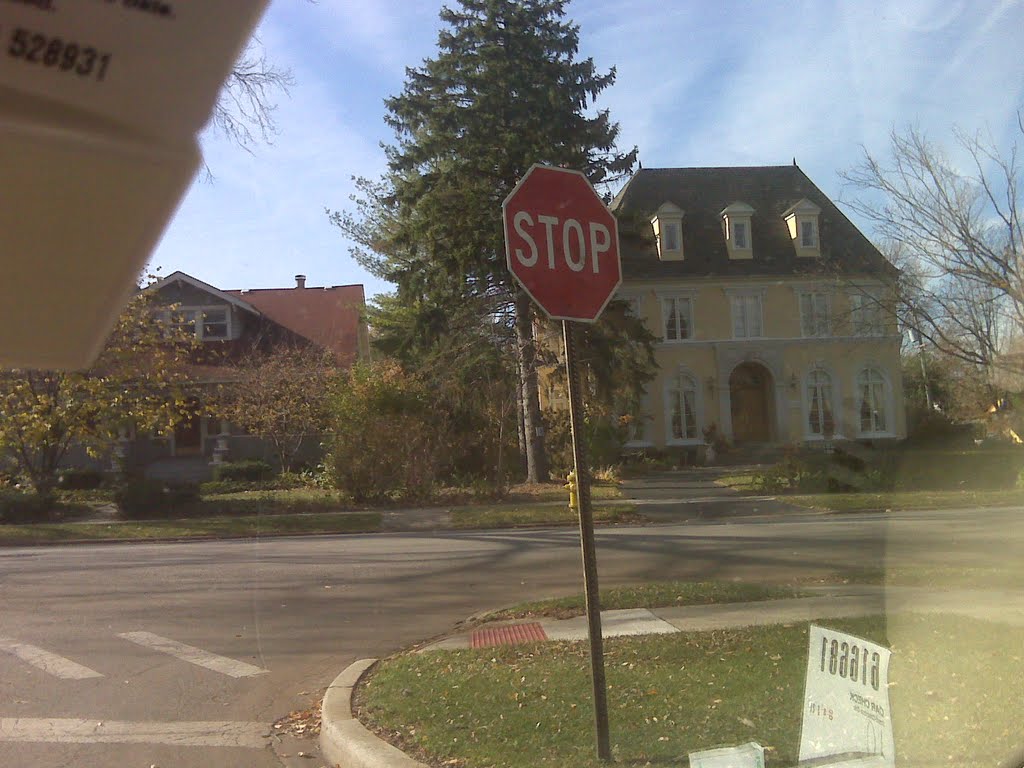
(389, 433)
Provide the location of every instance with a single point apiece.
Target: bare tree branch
(957, 236)
(245, 110)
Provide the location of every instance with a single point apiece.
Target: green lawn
(278, 502)
(955, 696)
(743, 481)
(859, 502)
(526, 493)
(995, 575)
(299, 510)
(513, 516)
(256, 525)
(654, 595)
(866, 501)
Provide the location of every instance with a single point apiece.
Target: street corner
(343, 739)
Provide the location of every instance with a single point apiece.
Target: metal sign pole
(581, 467)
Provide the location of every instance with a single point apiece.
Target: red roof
(329, 316)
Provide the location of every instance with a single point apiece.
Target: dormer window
(668, 232)
(802, 220)
(808, 235)
(736, 226)
(739, 235)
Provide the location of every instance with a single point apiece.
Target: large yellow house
(772, 310)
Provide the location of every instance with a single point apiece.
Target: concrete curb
(343, 739)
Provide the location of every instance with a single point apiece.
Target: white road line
(193, 655)
(61, 730)
(50, 663)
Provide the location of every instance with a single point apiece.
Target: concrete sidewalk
(1006, 607)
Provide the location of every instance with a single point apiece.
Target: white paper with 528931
(846, 711)
(100, 104)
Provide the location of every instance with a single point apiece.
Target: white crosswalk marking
(50, 663)
(220, 733)
(193, 655)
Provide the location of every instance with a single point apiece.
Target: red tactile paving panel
(510, 634)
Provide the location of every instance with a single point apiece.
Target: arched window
(682, 407)
(820, 420)
(871, 401)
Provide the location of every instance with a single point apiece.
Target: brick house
(229, 324)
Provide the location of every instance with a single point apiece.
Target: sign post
(587, 545)
(562, 246)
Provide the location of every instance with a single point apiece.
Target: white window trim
(698, 408)
(667, 214)
(666, 226)
(800, 294)
(737, 293)
(738, 213)
(887, 396)
(837, 403)
(739, 251)
(871, 296)
(691, 299)
(798, 214)
(197, 312)
(813, 222)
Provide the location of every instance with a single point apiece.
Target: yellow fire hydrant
(573, 491)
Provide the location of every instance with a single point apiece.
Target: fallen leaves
(303, 723)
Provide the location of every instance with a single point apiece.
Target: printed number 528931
(35, 48)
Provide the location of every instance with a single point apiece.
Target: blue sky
(699, 84)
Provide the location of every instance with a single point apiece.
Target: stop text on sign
(579, 244)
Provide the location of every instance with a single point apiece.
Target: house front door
(750, 387)
(188, 435)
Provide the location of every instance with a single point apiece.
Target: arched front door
(751, 403)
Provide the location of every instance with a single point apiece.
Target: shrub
(79, 479)
(806, 473)
(143, 498)
(986, 469)
(17, 507)
(604, 438)
(282, 482)
(936, 430)
(250, 470)
(388, 435)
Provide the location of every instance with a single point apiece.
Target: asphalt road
(183, 654)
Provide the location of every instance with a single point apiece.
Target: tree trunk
(520, 409)
(536, 460)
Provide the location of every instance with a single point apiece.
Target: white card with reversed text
(846, 710)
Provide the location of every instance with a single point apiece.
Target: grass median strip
(233, 515)
(906, 500)
(955, 696)
(865, 501)
(257, 525)
(654, 595)
(513, 516)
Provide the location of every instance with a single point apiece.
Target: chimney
(300, 281)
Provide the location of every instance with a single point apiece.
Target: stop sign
(562, 243)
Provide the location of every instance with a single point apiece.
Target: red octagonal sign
(562, 243)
